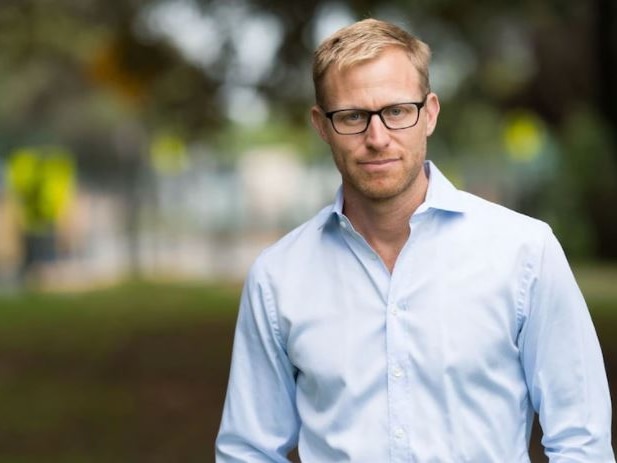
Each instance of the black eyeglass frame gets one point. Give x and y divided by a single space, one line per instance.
418 104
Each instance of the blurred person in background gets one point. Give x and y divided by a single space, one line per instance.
409 320
41 183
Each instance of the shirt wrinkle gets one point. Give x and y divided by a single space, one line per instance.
271 314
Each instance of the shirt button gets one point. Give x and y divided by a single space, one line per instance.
397 372
343 224
399 433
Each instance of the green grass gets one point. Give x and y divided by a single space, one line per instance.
98 320
132 373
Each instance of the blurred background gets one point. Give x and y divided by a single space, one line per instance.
150 149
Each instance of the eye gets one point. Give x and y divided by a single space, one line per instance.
351 117
396 112
354 116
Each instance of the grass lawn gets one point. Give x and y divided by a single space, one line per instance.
137 373
132 374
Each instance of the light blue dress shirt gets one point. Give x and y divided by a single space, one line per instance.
444 360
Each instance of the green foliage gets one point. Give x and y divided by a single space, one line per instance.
237 140
91 76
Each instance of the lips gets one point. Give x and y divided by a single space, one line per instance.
379 161
378 164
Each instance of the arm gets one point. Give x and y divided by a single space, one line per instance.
260 422
563 365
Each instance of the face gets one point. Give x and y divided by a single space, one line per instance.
379 164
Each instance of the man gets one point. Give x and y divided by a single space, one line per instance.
409 321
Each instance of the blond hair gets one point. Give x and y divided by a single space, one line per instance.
363 41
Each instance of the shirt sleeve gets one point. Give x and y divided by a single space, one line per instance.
563 365
260 422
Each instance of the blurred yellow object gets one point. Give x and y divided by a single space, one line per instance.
42 181
524 136
168 154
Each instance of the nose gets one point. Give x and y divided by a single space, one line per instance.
377 134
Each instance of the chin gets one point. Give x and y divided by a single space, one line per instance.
381 193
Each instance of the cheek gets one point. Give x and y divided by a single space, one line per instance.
339 158
416 141
341 152
424 129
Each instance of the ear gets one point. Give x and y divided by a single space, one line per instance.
320 122
432 112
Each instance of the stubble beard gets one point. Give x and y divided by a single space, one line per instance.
382 188
376 191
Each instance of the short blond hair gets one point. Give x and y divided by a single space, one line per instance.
363 41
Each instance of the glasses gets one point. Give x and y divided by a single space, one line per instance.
394 117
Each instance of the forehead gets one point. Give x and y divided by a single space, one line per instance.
389 78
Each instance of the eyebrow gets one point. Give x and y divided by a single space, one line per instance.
359 108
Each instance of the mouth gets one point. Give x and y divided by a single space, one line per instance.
379 161
378 164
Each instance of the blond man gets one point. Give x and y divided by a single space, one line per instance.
408 321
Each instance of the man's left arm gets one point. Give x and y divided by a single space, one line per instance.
563 365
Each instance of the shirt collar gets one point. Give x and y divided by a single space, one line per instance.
441 195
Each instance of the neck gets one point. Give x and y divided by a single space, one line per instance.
384 223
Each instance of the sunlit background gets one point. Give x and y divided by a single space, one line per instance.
150 149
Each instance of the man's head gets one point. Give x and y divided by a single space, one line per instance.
375 110
366 40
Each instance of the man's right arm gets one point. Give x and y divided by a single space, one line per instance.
260 422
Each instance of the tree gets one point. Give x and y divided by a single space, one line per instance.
87 70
